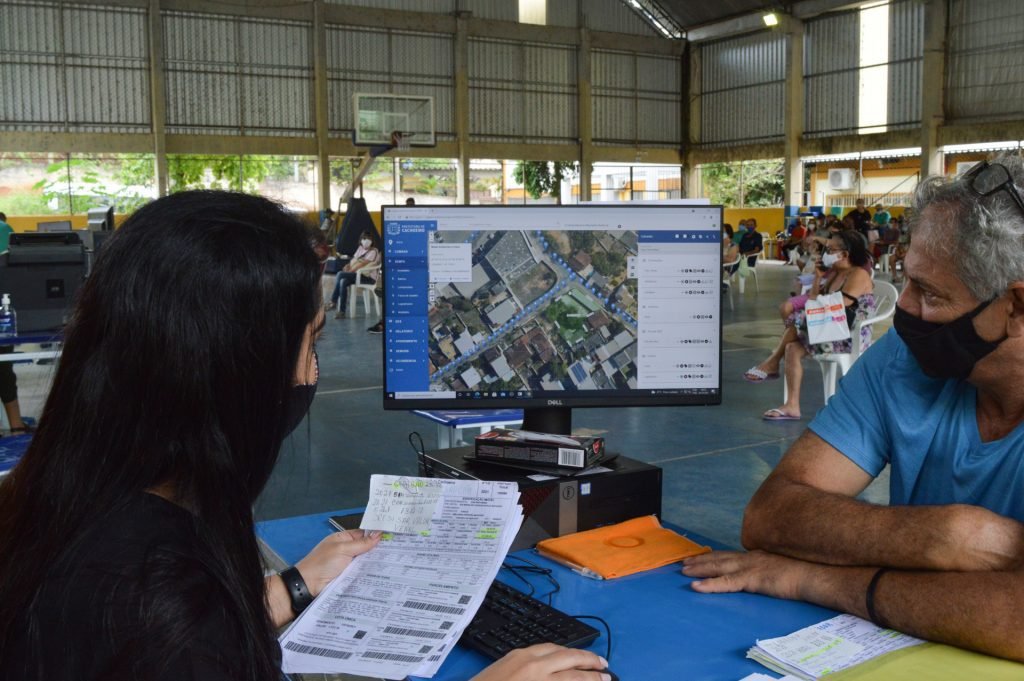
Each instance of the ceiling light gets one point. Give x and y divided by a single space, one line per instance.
771 19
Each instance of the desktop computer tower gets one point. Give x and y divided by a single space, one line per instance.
623 489
42 272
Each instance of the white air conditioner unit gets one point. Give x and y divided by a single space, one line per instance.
963 166
840 178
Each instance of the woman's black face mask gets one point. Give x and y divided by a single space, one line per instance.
947 350
300 398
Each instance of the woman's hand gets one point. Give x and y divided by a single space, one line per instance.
325 562
332 555
546 662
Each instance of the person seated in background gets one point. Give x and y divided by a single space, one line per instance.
5 233
900 253
816 227
881 218
730 249
127 540
795 239
860 217
9 395
751 242
366 256
842 269
888 236
944 560
808 264
741 229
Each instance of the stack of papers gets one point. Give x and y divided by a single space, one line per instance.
829 647
398 610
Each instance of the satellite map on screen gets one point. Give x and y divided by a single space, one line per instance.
542 310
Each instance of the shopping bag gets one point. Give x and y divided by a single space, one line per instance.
744 270
826 318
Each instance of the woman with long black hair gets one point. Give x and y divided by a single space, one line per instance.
127 547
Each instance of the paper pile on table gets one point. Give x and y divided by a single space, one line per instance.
828 647
398 610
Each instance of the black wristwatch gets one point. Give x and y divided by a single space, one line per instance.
298 592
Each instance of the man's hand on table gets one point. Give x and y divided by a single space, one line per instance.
757 572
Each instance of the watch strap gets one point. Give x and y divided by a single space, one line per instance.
298 592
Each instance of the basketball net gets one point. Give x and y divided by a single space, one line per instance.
400 141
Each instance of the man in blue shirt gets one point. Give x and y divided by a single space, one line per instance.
5 233
941 400
751 242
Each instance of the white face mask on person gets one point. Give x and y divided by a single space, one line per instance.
366 243
830 259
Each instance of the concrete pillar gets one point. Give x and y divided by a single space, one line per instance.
157 95
694 86
462 106
585 114
323 160
933 88
793 120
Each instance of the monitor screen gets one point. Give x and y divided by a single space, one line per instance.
54 226
552 307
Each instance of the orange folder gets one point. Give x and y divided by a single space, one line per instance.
618 550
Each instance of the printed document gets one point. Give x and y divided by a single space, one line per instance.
828 647
398 609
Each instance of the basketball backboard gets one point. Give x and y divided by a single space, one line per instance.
381 118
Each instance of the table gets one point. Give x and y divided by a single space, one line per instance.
54 337
661 629
450 423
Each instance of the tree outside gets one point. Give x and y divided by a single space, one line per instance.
544 178
748 184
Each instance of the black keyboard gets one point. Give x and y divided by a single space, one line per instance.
510 619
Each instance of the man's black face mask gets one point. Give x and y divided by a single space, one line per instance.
945 350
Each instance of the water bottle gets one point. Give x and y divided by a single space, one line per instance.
8 318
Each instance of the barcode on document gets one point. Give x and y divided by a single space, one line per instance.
413 632
433 607
322 652
570 457
392 657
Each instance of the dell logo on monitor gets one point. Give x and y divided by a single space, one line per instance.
554 403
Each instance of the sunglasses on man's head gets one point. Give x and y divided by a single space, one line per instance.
987 178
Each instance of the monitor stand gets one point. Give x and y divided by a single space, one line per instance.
554 420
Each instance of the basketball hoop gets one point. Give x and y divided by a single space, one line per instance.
400 141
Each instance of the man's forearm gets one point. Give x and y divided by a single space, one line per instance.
982 611
803 522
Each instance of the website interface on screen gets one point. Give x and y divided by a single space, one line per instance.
536 302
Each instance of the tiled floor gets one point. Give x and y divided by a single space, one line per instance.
713 457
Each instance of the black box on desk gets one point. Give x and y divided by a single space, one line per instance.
540 449
561 505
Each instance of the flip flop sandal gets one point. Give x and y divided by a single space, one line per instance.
778 415
755 375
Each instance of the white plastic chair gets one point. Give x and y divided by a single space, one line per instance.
727 277
832 363
365 285
741 281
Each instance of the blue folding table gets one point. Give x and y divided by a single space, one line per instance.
662 630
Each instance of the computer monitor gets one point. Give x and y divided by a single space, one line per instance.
101 218
54 226
552 307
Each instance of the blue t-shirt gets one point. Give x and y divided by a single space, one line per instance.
887 411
